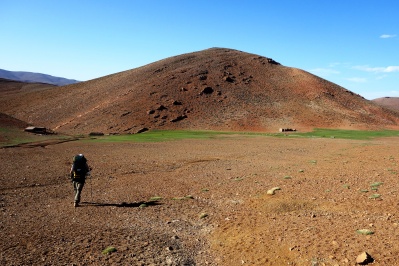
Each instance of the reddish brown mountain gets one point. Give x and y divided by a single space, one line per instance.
390 102
219 89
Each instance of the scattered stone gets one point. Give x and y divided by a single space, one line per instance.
207 90
228 79
150 112
141 130
108 250
96 134
364 259
272 191
365 232
176 103
287 129
161 107
125 114
271 61
203 215
181 117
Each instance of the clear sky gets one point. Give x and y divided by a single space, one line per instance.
353 43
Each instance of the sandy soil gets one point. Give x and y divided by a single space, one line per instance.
214 207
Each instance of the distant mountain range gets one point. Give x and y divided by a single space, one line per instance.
35 77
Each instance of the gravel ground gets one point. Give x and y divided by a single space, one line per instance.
202 202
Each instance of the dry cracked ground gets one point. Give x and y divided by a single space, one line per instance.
203 202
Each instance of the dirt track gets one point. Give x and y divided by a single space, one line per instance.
214 208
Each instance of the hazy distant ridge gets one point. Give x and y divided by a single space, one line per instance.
35 77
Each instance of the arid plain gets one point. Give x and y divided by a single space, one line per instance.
198 201
203 202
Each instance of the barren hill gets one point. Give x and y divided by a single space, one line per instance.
390 102
219 89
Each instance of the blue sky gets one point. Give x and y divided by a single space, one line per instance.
353 43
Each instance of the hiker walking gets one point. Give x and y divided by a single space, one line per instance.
79 170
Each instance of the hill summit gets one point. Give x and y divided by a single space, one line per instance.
213 89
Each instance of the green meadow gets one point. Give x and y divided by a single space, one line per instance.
346 134
12 137
168 135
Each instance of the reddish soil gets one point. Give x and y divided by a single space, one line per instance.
312 220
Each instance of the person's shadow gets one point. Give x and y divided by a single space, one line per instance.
140 204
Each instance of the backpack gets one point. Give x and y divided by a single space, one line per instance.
79 167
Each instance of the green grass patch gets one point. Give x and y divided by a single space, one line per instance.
375 196
374 186
392 171
156 198
170 135
108 250
13 136
161 135
347 134
183 198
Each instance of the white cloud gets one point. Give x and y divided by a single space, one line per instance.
392 69
357 80
387 36
388 69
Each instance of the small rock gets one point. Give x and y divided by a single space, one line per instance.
272 191
161 107
364 259
228 79
177 103
207 90
141 130
181 117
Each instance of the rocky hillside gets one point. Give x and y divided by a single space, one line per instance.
213 89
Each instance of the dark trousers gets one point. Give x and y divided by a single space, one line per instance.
77 187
